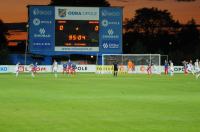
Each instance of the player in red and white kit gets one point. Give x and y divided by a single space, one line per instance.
190 67
149 69
197 68
17 69
171 68
55 68
69 67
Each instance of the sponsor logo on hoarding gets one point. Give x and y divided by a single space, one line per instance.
110 32
41 44
110 35
81 68
105 45
111 45
106 23
21 68
26 69
37 22
37 11
179 69
106 13
3 69
42 34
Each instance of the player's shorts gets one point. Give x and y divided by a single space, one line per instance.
55 69
197 70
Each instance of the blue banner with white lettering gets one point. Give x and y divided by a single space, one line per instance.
4 69
110 30
41 29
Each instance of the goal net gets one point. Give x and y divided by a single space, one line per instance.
139 63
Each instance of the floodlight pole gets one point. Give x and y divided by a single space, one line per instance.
25 56
97 59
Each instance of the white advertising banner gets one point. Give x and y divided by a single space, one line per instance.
108 69
99 69
76 13
46 68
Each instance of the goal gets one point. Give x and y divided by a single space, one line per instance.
140 62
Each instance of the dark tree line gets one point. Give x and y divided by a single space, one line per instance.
154 31
3 44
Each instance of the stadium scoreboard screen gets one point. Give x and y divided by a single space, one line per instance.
61 30
73 33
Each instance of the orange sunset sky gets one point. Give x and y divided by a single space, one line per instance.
16 11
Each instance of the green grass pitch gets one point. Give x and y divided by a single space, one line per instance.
99 103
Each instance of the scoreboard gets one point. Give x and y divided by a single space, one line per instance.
77 33
57 30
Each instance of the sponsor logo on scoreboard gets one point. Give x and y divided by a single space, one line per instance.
62 12
110 35
111 45
105 45
42 34
106 13
42 12
37 22
77 13
106 23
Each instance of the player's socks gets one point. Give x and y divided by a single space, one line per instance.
17 74
32 74
197 76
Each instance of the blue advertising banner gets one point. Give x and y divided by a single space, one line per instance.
41 28
110 35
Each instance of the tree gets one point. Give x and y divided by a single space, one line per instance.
151 21
155 29
3 43
189 40
88 3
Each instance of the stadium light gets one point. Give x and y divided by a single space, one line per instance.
25 56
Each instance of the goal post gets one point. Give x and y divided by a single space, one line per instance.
140 62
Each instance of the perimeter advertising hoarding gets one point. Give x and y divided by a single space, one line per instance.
68 30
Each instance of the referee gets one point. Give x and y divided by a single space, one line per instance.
115 65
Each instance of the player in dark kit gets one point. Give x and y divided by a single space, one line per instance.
64 68
115 65
73 68
166 67
35 68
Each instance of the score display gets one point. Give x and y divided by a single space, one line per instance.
76 33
